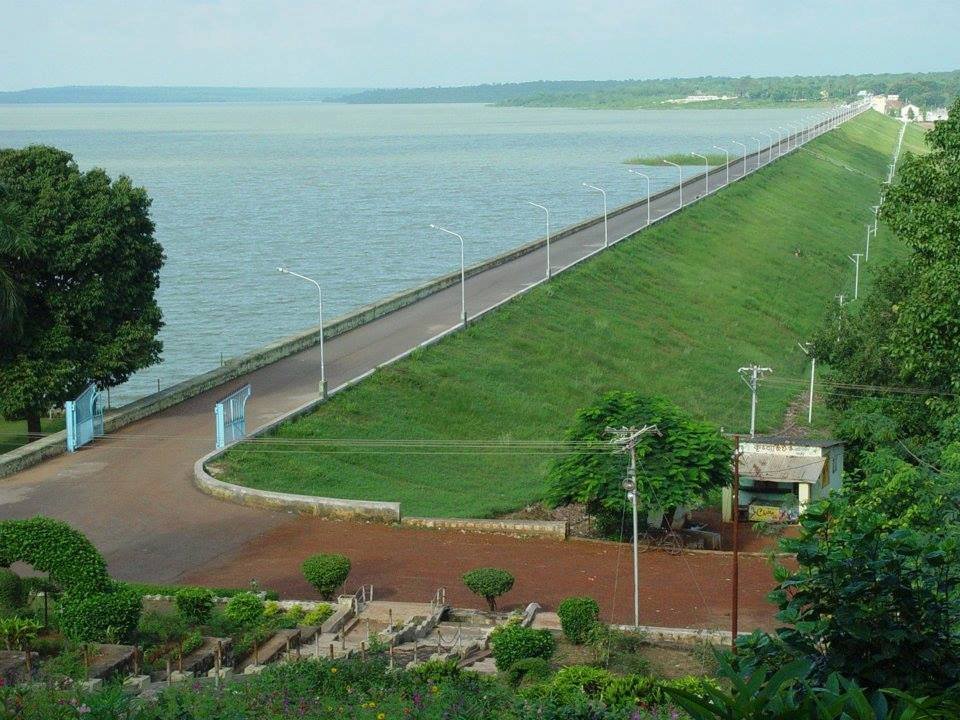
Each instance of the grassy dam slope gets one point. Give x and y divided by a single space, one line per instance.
672 311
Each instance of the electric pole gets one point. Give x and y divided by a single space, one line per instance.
855 259
750 375
735 589
808 351
625 439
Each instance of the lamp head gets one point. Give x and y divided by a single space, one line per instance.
282 270
433 226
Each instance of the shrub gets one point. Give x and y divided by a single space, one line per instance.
319 615
528 670
245 609
511 643
101 617
626 692
12 590
326 573
296 613
437 670
195 604
578 615
576 682
489 583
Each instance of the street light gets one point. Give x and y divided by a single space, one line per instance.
323 370
549 272
769 145
680 170
759 150
706 172
744 158
604 193
786 134
779 140
727 153
647 178
463 273
808 351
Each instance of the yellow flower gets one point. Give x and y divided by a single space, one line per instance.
381 716
434 689
333 670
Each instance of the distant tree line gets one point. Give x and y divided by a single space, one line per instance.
926 90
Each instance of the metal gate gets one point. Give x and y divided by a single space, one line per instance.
84 418
231 418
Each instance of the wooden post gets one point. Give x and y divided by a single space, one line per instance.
180 657
415 646
316 639
331 651
363 651
169 668
136 660
217 664
287 651
735 599
391 654
256 653
390 616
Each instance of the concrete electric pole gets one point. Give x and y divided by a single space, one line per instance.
625 440
751 375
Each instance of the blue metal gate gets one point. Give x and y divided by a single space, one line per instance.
231 418
84 418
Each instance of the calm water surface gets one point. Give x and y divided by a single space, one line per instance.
345 194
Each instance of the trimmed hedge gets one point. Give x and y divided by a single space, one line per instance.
578 615
172 590
92 608
511 643
245 609
488 583
326 573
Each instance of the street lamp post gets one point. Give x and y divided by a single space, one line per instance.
680 171
536 205
727 153
744 159
604 193
706 171
323 369
463 273
647 178
779 140
769 135
808 351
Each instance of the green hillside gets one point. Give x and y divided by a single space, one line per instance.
674 311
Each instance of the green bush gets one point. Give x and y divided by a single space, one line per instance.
528 670
195 604
511 643
577 682
437 670
578 615
319 615
244 609
326 573
100 617
13 591
488 583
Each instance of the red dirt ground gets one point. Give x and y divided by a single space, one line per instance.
692 590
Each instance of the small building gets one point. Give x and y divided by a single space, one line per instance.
936 114
911 112
780 476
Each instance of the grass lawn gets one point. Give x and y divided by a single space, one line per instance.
738 278
13 433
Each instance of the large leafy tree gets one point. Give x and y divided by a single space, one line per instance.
14 248
677 467
84 292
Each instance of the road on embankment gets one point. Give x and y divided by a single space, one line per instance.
132 494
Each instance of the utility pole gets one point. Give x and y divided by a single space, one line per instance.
808 351
735 585
625 439
855 259
866 255
750 375
840 297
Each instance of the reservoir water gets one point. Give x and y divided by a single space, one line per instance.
345 194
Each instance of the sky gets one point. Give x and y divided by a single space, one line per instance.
404 43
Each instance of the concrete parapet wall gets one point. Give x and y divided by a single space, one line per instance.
337 508
556 529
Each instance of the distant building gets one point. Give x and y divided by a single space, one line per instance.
780 476
699 98
935 115
886 104
911 112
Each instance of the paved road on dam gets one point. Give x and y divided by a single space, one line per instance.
132 491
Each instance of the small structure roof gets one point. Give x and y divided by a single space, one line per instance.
781 468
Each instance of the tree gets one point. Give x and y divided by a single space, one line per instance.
87 286
677 467
875 594
14 248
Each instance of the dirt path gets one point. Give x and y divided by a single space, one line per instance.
405 564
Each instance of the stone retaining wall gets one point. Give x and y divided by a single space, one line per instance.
556 529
